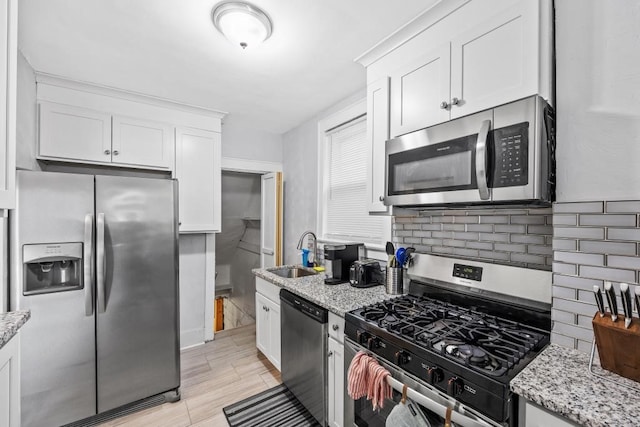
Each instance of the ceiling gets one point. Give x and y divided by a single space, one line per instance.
170 49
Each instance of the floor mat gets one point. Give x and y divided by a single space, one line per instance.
276 407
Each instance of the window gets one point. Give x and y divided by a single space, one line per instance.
343 195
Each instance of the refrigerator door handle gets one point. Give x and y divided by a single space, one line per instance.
88 264
100 264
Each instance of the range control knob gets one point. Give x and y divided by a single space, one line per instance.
434 375
362 337
401 358
373 343
455 386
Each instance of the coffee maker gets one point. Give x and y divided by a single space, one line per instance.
338 260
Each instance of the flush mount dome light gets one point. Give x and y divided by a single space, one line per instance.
242 23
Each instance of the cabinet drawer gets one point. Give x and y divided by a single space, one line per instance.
269 290
336 327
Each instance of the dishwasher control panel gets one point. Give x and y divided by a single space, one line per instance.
310 309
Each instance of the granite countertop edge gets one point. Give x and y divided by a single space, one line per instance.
339 299
10 323
559 380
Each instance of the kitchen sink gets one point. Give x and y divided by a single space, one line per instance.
292 273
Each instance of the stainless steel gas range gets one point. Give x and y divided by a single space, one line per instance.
463 331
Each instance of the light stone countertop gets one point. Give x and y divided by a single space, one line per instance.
559 380
10 323
338 299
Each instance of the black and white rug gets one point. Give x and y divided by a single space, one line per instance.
276 407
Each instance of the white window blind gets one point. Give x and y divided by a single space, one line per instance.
346 214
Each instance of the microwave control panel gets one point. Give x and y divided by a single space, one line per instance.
511 156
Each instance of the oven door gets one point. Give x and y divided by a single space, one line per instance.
433 403
443 164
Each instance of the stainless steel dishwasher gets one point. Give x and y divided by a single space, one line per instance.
304 352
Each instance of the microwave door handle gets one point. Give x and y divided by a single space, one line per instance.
481 159
88 264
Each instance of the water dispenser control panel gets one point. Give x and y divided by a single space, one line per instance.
52 267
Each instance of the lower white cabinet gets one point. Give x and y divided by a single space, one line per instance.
268 320
198 160
336 371
10 383
532 415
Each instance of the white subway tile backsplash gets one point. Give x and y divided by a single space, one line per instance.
579 258
632 234
623 207
579 207
563 340
613 274
606 248
608 220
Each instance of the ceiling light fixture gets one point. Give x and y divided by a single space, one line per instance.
242 23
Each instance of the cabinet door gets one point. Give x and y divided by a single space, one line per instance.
336 383
418 91
10 383
262 324
74 133
377 135
535 416
496 61
274 334
198 155
8 87
139 142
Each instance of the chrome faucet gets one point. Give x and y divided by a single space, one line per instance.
315 245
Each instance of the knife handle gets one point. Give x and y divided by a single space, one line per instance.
599 301
610 292
637 298
625 293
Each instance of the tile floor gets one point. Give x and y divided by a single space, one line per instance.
213 375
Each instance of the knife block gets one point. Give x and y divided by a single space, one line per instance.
618 347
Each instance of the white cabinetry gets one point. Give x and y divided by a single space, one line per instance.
198 159
10 383
377 134
418 90
532 415
501 57
336 371
8 86
268 320
78 134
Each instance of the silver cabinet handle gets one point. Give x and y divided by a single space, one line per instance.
444 105
88 264
267 309
116 152
107 152
481 160
100 264
381 198
330 354
455 101
335 327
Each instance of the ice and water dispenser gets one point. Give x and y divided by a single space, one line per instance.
52 267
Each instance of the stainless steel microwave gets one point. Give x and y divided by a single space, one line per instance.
505 155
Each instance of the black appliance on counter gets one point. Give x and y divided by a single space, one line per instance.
338 260
365 274
457 342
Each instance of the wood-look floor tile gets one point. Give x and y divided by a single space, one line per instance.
213 375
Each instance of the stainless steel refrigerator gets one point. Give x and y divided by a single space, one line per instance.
95 259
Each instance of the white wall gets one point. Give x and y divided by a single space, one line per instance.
241 140
300 172
192 289
598 99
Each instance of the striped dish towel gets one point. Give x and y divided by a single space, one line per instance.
367 378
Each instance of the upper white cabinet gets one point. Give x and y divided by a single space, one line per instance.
497 61
461 57
377 134
142 142
198 160
420 92
8 86
74 133
79 134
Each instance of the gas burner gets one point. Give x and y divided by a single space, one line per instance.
474 356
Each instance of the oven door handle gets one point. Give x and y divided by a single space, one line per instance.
481 159
458 418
